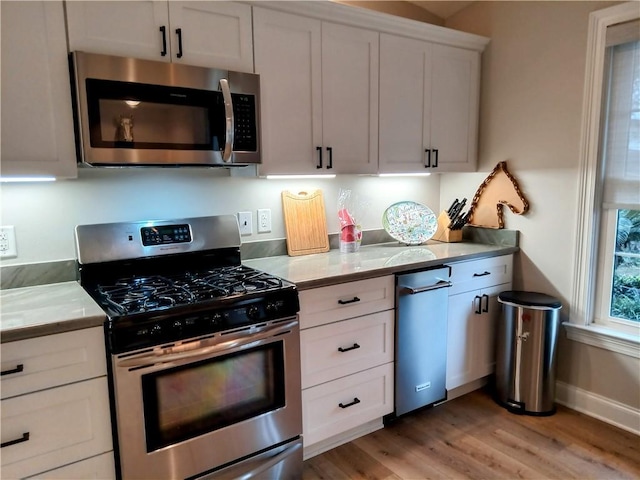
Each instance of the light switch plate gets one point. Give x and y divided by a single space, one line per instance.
8 247
245 223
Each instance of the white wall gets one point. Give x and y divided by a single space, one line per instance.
531 111
45 214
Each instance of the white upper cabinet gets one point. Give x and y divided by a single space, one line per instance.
319 90
37 122
429 100
209 34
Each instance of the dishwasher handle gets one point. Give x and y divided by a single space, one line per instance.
427 288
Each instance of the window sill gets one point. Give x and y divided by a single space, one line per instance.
604 338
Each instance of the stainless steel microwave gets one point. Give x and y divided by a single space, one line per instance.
131 112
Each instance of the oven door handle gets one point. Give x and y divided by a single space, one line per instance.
243 339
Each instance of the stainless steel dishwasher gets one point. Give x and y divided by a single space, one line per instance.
421 338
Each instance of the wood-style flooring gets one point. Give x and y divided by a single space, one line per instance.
473 437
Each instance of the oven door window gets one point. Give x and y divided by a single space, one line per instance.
194 399
142 116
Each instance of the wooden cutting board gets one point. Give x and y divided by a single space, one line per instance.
305 222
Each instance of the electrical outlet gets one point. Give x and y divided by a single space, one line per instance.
245 223
264 220
8 242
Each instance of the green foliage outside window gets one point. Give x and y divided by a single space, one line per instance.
625 294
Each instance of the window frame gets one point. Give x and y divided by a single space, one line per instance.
583 303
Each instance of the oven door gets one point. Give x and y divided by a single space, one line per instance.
189 408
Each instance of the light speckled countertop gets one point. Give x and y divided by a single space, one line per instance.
310 271
60 307
46 309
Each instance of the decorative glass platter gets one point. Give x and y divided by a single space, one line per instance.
410 223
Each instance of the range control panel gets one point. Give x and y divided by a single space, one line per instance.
165 234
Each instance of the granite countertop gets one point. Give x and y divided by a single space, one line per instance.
46 309
34 311
321 269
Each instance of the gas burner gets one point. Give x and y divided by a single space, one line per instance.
132 295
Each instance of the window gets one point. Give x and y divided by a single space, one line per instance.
605 308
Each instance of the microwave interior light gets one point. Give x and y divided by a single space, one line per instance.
26 179
132 103
292 177
404 174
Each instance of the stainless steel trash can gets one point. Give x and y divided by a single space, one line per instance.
526 341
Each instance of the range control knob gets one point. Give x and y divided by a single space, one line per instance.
156 329
216 319
177 325
272 307
253 312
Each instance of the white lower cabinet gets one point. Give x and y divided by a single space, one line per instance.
340 405
347 351
99 467
473 314
55 407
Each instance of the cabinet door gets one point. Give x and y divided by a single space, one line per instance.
212 34
126 29
350 98
405 104
471 334
455 81
288 59
485 353
460 337
37 122
58 426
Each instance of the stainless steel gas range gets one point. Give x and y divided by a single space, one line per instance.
203 352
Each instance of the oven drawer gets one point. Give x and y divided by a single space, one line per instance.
323 305
339 349
364 396
55 427
52 360
474 274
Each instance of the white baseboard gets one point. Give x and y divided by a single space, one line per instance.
597 406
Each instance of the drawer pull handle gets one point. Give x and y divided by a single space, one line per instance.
24 438
346 302
356 400
19 368
355 345
483 274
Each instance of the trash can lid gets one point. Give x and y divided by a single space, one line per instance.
529 299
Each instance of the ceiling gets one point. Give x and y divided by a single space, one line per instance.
443 9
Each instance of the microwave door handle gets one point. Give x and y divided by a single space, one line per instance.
229 121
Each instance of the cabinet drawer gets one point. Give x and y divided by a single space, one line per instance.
323 305
321 412
52 360
64 425
475 274
98 467
365 342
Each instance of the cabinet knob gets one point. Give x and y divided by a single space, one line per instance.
163 30
24 438
330 162
354 347
179 34
356 400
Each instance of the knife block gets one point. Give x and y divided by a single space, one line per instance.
444 233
